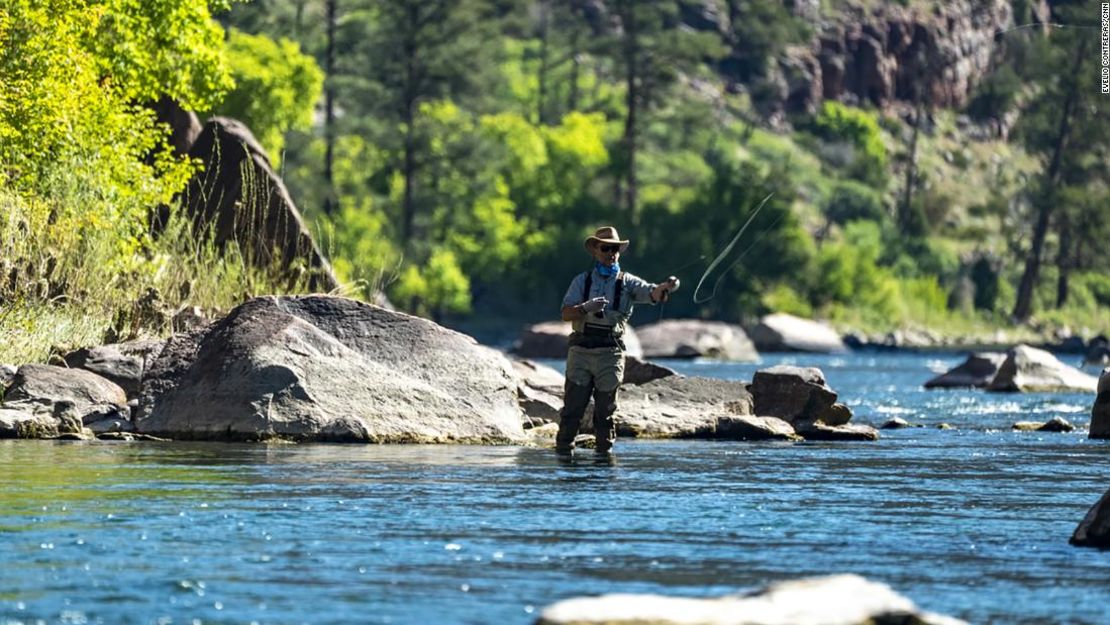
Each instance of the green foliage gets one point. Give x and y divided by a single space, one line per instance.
762 29
276 87
853 201
859 130
437 288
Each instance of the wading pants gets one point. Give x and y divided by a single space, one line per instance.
596 372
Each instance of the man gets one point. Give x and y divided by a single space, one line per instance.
598 304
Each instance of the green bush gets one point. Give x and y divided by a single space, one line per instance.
839 123
853 201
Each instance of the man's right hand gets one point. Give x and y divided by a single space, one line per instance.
594 305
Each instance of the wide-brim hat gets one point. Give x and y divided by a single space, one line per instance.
605 234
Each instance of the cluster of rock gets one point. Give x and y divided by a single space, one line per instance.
1022 369
832 600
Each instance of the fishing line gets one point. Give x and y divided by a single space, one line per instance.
724 253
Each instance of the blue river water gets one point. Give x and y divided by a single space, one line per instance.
972 521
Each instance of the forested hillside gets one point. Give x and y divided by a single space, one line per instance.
930 164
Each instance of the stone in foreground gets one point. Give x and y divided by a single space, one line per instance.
1031 370
1094 529
780 332
975 372
320 368
1100 411
833 600
694 338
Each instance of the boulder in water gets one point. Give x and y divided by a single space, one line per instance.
549 340
793 394
781 332
1055 424
679 407
638 371
1100 411
321 368
693 338
832 600
1029 370
976 372
1094 529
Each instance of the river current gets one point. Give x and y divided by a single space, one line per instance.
972 521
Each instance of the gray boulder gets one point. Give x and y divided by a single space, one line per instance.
833 600
694 338
18 423
1029 370
540 392
781 332
638 371
122 363
793 394
549 340
976 372
1100 411
1055 424
321 368
47 389
1094 529
694 407
7 374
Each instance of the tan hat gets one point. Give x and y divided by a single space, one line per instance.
605 234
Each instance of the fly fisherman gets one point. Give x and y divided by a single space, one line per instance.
598 304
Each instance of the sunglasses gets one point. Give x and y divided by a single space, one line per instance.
609 248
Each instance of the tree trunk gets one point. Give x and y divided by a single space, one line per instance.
904 212
632 100
1023 307
541 96
408 169
1063 265
329 107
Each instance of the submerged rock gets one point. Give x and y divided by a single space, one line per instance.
832 600
1094 529
1100 411
1028 369
897 423
1055 424
780 332
976 372
693 338
321 368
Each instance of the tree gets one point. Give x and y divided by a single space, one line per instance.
1067 125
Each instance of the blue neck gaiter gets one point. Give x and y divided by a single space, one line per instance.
606 271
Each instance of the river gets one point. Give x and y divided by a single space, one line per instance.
972 522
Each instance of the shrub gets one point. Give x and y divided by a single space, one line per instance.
839 123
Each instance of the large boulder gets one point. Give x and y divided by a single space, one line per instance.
1030 370
976 372
781 332
321 368
832 600
694 338
238 197
694 407
549 340
1100 411
1094 529
122 363
58 391
800 396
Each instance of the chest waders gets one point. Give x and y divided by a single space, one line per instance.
592 373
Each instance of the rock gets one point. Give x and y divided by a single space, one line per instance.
796 395
549 340
188 319
122 363
237 194
1028 369
1055 424
752 428
48 389
322 368
679 407
820 432
1097 351
832 600
694 338
1100 411
896 423
1026 426
944 426
105 426
540 392
836 414
184 125
638 371
975 372
1094 529
781 332
7 374
16 423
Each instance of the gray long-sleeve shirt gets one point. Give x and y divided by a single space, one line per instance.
636 291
